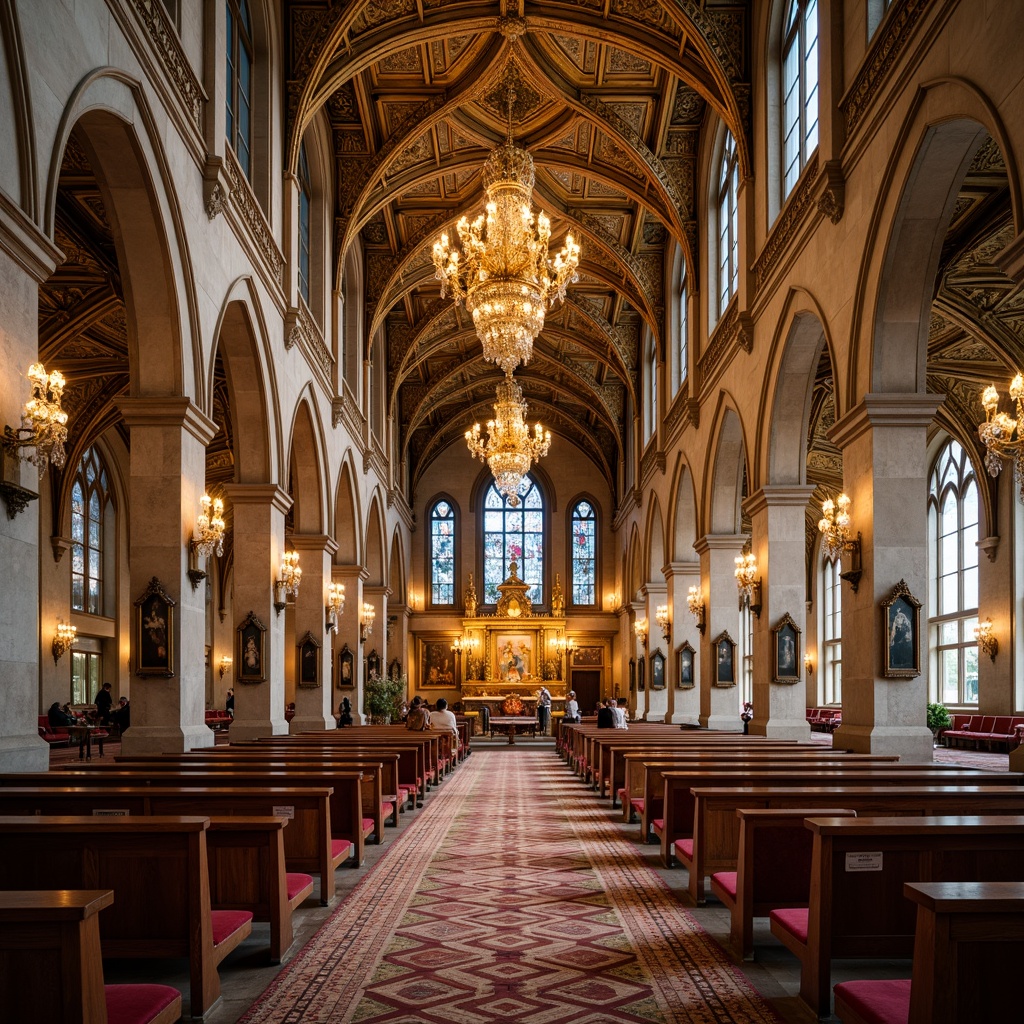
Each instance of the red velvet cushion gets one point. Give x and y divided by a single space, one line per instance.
227 922
620 792
658 824
726 881
387 808
137 1004
794 921
637 803
367 824
295 882
877 1002
340 847
684 848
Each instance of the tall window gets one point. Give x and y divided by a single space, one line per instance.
953 526
238 101
799 89
86 676
746 647
584 554
305 199
89 500
832 631
442 554
683 347
652 390
514 535
728 223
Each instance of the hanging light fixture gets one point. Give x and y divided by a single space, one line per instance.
509 449
43 423
998 429
503 274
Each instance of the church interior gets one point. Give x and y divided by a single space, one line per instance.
661 351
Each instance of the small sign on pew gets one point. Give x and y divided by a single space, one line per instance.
110 812
284 812
864 861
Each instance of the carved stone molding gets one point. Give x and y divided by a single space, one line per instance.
789 223
301 329
243 203
216 187
734 330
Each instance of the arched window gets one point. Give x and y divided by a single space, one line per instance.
584 554
832 631
238 99
683 346
728 222
953 527
305 203
442 553
514 535
651 389
799 89
89 501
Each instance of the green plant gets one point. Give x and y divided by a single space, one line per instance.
938 717
382 697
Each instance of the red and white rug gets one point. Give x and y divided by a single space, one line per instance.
511 898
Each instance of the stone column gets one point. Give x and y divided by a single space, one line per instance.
168 474
657 700
313 710
885 469
719 705
378 640
778 539
996 599
638 652
348 636
684 704
257 521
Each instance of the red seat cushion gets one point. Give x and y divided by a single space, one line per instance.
684 848
658 824
794 921
137 1004
340 847
295 882
227 922
387 808
877 1002
367 825
726 880
637 803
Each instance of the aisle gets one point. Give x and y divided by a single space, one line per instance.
513 897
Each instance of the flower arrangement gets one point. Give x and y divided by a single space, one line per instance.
748 711
512 706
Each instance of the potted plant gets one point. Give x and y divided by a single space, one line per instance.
746 715
938 720
381 699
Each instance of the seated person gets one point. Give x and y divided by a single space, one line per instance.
58 716
620 709
442 720
121 715
605 715
418 718
344 713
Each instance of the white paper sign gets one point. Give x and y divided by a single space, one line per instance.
284 812
109 812
864 861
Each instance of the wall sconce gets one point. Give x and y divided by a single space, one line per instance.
366 622
661 615
987 642
640 628
563 645
808 664
287 584
695 602
63 639
225 664
836 540
998 429
748 582
43 423
335 605
208 537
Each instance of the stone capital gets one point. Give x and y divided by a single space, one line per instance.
788 496
912 410
720 542
314 543
168 411
346 573
684 569
258 494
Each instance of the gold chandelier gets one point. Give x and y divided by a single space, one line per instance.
998 429
43 423
509 449
504 275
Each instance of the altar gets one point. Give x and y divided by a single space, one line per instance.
512 724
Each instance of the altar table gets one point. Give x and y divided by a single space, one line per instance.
512 724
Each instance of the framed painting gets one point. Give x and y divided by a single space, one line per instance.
514 657
658 670
437 664
901 616
395 669
346 668
632 674
786 650
641 671
373 665
725 659
684 657
250 651
582 656
154 632
307 671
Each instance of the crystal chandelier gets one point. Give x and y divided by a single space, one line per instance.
209 535
834 525
43 423
504 275
998 429
509 449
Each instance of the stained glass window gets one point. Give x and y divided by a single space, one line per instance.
514 535
238 67
88 503
442 554
584 554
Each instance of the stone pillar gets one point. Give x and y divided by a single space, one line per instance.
168 473
638 652
348 636
885 469
719 705
778 539
996 599
378 640
257 520
657 700
684 703
398 645
313 711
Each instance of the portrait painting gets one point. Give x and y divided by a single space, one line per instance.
583 656
308 668
641 671
786 646
657 671
395 669
901 613
725 657
685 680
250 654
437 665
346 668
513 656
154 633
373 665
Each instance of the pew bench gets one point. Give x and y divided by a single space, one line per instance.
858 870
51 966
968 946
158 870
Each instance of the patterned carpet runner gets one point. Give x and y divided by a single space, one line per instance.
512 897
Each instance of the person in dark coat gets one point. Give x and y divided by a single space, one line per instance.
104 701
344 713
57 716
605 716
121 716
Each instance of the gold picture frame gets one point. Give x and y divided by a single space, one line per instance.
901 637
154 632
725 659
250 651
786 658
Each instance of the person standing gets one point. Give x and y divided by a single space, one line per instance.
229 704
572 708
344 713
104 701
543 710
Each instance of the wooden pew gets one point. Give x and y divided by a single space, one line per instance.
51 967
858 869
157 867
968 947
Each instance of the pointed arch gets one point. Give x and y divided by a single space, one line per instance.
374 545
348 516
307 471
634 568
682 515
654 542
725 472
397 570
